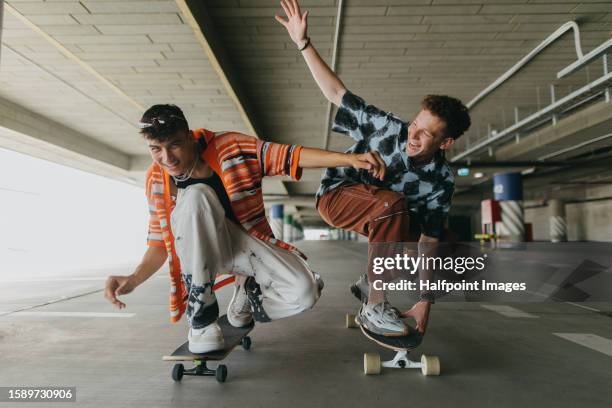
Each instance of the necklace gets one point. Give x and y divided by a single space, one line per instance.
187 176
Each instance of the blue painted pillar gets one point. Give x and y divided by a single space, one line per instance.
508 190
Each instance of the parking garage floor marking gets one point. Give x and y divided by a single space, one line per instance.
592 341
70 314
65 279
509 311
592 309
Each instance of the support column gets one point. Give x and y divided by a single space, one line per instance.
288 228
508 190
276 220
558 224
334 234
296 230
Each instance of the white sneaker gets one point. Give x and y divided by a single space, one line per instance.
208 338
239 312
382 319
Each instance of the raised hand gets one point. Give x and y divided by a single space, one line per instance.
296 22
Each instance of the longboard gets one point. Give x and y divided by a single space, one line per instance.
402 345
396 343
232 336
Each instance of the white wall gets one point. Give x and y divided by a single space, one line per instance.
586 221
55 219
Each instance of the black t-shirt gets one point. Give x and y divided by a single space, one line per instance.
215 182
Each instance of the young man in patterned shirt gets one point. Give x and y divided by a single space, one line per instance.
414 198
207 218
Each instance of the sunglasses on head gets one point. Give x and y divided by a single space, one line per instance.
159 120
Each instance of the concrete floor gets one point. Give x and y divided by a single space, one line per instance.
311 360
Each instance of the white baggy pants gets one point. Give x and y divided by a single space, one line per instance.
208 244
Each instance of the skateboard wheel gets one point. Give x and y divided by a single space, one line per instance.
177 372
246 342
221 373
430 365
350 321
371 363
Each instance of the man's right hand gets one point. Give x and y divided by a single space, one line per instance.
296 23
116 286
371 162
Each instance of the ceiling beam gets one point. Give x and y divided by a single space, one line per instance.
77 60
203 26
1 20
27 132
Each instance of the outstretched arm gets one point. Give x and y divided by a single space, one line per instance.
276 159
297 25
317 158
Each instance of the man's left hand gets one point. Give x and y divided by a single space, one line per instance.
420 313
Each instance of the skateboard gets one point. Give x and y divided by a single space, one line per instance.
402 345
232 337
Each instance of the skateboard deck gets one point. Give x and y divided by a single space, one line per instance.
397 343
232 337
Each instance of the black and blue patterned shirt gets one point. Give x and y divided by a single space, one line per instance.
428 188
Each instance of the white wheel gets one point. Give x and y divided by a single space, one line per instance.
350 321
430 365
371 363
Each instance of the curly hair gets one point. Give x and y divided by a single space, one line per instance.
160 122
451 110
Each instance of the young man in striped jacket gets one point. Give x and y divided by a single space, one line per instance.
207 218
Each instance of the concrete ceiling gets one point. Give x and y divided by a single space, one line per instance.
75 76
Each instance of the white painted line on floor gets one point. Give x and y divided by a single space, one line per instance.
509 311
552 288
39 280
70 314
65 279
592 341
592 309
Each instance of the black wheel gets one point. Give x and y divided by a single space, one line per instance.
402 364
246 343
221 373
177 372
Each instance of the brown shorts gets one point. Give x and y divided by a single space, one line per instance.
379 214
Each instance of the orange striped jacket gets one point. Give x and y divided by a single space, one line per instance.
240 161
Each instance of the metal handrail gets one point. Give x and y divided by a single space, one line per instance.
570 25
550 109
594 54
